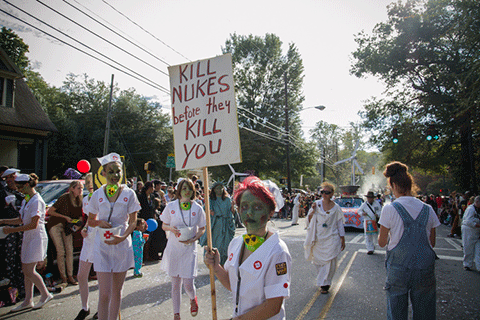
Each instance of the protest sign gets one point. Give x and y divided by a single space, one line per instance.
204 113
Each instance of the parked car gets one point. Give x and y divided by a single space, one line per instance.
350 205
51 190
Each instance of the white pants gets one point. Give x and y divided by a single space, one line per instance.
369 241
326 272
471 247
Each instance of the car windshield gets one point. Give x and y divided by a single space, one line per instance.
51 191
349 202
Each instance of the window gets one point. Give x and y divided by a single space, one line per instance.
6 92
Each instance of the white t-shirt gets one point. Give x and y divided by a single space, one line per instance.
391 219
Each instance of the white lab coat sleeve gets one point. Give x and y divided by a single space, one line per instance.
166 216
133 204
278 276
469 219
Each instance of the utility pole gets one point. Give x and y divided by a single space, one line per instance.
107 127
289 183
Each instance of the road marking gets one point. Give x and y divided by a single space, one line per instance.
356 239
329 303
454 244
439 255
309 305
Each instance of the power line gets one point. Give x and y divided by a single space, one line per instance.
99 36
101 54
88 54
148 32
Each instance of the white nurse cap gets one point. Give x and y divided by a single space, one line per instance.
22 177
111 157
9 171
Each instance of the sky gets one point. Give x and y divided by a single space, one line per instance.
187 30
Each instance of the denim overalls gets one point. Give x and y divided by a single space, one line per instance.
411 270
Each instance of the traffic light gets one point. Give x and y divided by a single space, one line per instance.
149 166
394 135
432 133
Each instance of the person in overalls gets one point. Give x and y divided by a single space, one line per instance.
410 259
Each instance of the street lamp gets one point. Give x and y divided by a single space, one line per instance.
321 107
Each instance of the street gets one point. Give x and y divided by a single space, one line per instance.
356 293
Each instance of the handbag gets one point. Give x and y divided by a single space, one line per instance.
74 226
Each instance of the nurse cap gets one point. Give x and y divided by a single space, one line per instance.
22 177
9 171
111 157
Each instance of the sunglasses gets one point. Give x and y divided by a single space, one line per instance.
326 192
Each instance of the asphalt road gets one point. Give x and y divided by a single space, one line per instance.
357 290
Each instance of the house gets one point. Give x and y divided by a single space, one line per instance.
24 126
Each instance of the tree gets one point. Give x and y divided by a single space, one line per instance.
427 55
262 75
14 47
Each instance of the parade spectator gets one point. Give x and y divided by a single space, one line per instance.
223 228
325 236
370 210
180 257
157 240
258 270
471 236
138 241
66 209
35 240
170 196
3 183
12 244
456 212
86 255
408 230
112 205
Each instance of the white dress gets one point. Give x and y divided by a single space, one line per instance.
34 245
89 241
180 260
265 274
113 258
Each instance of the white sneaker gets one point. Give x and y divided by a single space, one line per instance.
22 306
42 303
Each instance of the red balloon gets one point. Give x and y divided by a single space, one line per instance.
83 166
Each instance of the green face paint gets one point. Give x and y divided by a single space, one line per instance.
113 173
218 190
186 191
254 213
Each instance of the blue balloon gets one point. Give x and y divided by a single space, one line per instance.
152 225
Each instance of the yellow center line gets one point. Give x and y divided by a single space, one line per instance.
329 303
309 305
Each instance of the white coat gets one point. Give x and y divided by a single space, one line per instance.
180 260
471 238
113 258
323 242
265 274
377 208
34 245
89 241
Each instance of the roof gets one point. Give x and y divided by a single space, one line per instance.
27 113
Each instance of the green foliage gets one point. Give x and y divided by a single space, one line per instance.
14 47
427 55
261 71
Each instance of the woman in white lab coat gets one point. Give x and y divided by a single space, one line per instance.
180 257
260 257
112 205
35 240
325 236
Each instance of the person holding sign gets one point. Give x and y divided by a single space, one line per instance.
185 219
113 210
370 210
325 236
257 270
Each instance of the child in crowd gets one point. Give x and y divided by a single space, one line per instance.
138 241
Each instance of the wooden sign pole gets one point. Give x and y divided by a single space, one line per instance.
209 241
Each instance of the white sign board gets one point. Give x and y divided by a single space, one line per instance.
205 121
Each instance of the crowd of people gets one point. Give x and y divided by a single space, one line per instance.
255 267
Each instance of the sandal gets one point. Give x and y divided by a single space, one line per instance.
194 307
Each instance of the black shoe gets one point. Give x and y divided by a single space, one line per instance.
95 316
467 268
370 252
82 314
